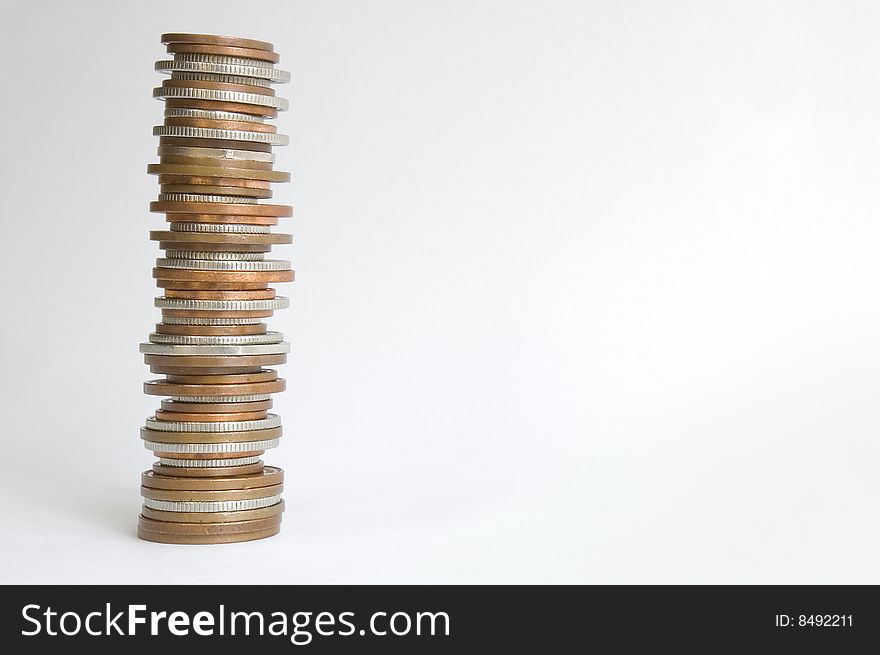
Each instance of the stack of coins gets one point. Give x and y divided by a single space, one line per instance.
212 346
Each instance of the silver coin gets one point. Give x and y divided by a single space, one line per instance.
223 59
224 78
208 463
191 304
220 228
211 505
215 351
269 74
271 421
211 114
211 320
240 97
216 256
216 340
208 265
250 398
230 154
198 197
225 135
210 448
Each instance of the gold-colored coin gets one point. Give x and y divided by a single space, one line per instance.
226 144
225 208
201 529
164 538
211 330
268 476
273 238
214 517
212 169
244 436
215 39
250 453
189 495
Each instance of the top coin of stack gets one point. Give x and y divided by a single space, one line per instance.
215 170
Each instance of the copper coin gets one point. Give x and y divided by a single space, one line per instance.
168 207
221 182
244 436
207 471
182 284
236 165
219 86
236 107
217 313
216 169
168 236
252 453
216 408
214 517
216 39
211 330
259 294
225 144
231 277
235 378
203 370
222 220
180 539
191 495
179 528
216 124
165 388
224 51
236 191
266 477
209 418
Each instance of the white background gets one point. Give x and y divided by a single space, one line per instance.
586 292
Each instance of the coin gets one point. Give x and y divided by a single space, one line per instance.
171 236
196 142
162 538
214 517
221 134
228 51
225 173
260 376
196 417
207 471
259 294
244 192
218 408
230 278
165 388
244 67
232 156
166 437
266 477
207 497
278 211
248 125
194 459
162 328
227 449
203 370
218 105
216 340
214 39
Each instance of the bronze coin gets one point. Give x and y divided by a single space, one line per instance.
216 39
230 277
219 86
223 51
211 330
251 453
169 207
243 436
207 471
214 170
216 313
182 284
216 408
209 418
180 539
236 107
178 528
213 176
204 370
168 236
234 378
266 477
214 495
224 144
231 167
219 124
165 388
259 294
222 220
214 517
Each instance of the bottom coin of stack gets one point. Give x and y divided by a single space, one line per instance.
221 507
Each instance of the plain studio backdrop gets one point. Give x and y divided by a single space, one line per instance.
586 291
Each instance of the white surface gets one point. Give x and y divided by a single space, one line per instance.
586 292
